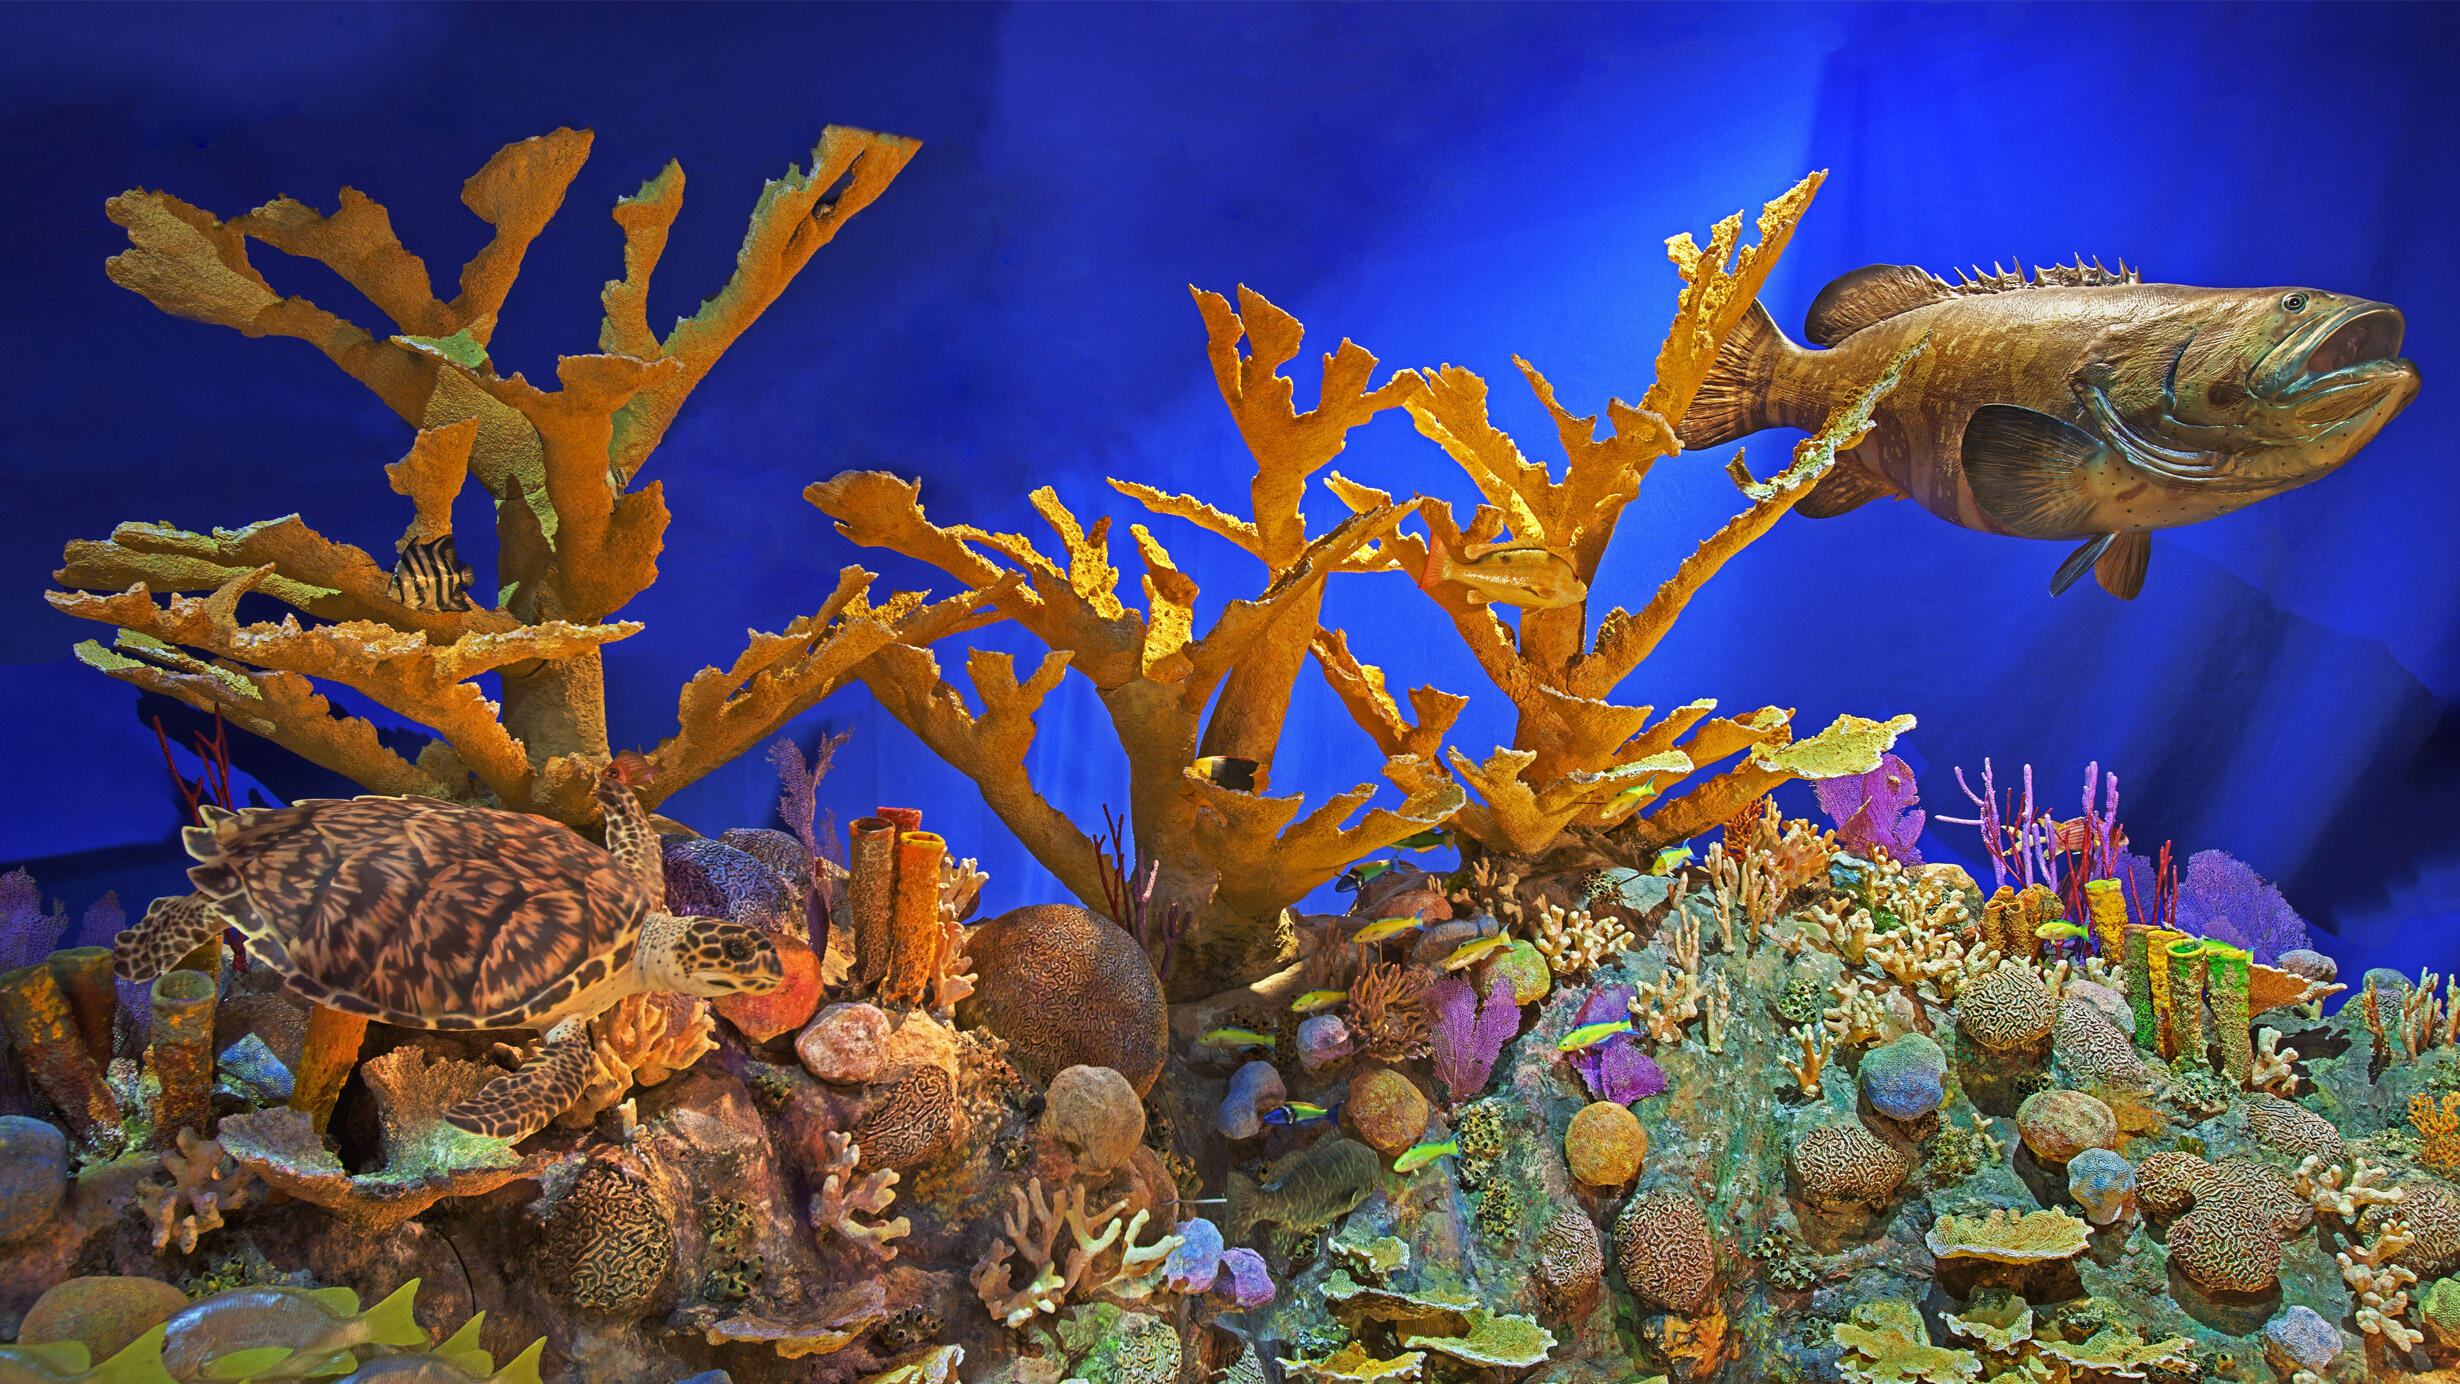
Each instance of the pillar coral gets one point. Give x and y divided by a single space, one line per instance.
1235 858
577 536
1585 779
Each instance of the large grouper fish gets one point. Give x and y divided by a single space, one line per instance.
2079 403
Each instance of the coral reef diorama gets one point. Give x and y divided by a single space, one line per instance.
1599 1067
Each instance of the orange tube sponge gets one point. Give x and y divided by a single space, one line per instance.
325 1059
871 888
181 1052
916 918
2109 909
84 977
44 1031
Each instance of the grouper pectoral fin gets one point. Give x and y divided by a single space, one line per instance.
2120 570
1849 486
2028 469
2079 562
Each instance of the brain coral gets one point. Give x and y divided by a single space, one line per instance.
2008 1008
2058 1124
1905 1078
2094 1048
1094 1111
1604 1145
1570 1262
1068 989
2291 1127
2271 1189
609 1242
2165 1183
1662 1246
1843 1165
910 1121
2227 1243
2433 1213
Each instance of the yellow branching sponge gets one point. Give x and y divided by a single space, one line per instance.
2438 1131
576 537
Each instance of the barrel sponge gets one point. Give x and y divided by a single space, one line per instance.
2227 1243
2008 1008
2292 1128
1068 989
1842 1164
2166 1183
1096 1113
2433 1213
2094 1048
1604 1145
1570 1262
609 1242
910 1121
1662 1246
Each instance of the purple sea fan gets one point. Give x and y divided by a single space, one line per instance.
1469 1035
2223 898
1615 1070
1876 810
27 934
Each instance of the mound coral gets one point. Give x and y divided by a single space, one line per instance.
1096 1113
1662 1246
914 1119
1065 989
1604 1145
2165 1183
577 536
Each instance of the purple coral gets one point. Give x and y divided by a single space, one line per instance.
1469 1035
1244 1281
798 802
1876 810
1616 1069
27 934
2223 898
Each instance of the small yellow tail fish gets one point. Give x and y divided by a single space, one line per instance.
1418 1156
1472 952
1384 929
1317 1001
1235 1038
1590 1035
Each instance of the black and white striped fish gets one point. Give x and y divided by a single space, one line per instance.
431 576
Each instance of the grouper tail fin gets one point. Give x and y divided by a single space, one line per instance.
1239 1212
1737 397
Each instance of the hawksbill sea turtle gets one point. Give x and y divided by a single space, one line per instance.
438 915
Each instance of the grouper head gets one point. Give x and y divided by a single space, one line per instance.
2275 387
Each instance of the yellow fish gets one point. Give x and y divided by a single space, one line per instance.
1669 860
1235 1038
1529 575
1383 929
1238 775
1470 953
2058 929
1420 1155
1315 1001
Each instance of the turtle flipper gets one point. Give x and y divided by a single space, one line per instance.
170 929
519 1104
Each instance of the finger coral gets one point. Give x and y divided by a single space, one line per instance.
578 535
1031 1230
198 1182
842 1196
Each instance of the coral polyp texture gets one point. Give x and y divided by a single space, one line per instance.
1596 1067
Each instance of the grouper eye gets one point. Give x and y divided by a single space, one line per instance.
2295 302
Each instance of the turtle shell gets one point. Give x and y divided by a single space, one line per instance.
420 912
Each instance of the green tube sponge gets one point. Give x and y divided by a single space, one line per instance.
2226 983
2187 965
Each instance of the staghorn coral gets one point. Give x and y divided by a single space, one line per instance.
577 537
2380 1285
1859 1015
1663 1248
841 1197
1234 858
1031 1229
202 1182
1575 942
1585 776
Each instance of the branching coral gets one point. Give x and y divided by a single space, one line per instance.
1859 1015
842 1196
203 1182
1583 775
641 1041
2438 1130
1575 942
2343 1191
1816 1046
1031 1228
1235 857
2381 1286
576 537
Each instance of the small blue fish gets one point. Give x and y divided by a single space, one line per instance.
1298 1112
1355 878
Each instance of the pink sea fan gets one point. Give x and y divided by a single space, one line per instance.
1469 1035
1876 810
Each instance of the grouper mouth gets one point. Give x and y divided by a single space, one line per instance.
2341 367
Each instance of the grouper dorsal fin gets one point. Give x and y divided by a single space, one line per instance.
1873 293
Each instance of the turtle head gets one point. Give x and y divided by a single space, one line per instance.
711 956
